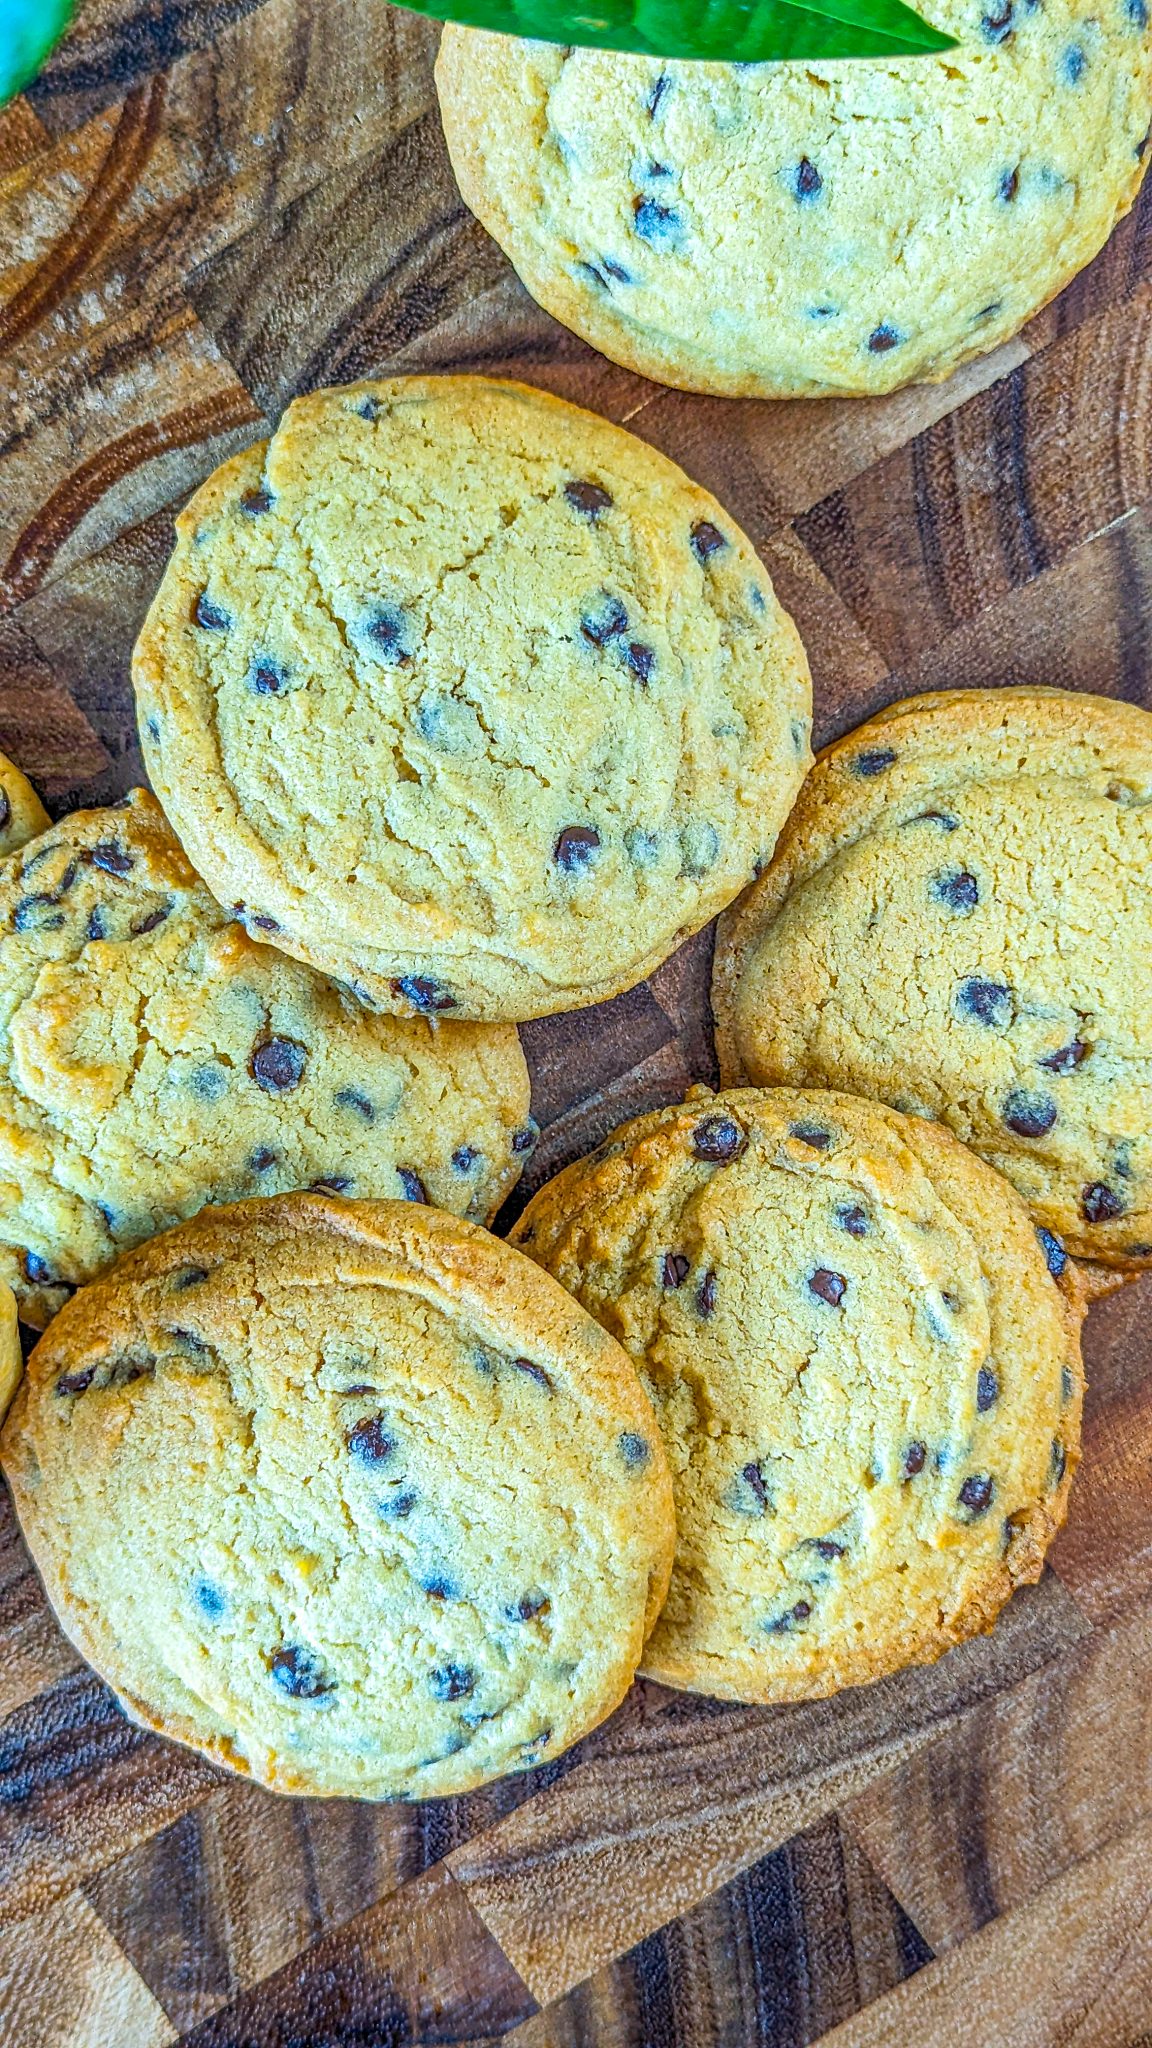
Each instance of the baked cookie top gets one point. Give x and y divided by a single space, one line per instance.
474 694
866 1378
348 1496
779 230
154 1057
22 814
957 922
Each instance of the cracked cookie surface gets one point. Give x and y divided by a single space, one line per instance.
956 922
476 696
867 1379
780 230
401 1505
154 1057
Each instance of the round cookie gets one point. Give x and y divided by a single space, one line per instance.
347 1496
22 814
474 694
956 922
867 1381
154 1057
800 229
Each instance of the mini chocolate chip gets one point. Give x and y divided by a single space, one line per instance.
997 23
112 858
368 409
641 659
1067 1059
989 1002
413 1186
1139 1251
634 1449
263 922
1054 1252
150 921
152 728
616 270
784 1622
675 1269
209 615
587 498
189 1276
828 1286
266 677
190 1339
208 1082
1137 12
209 1598
262 1159
663 84
1067 1384
369 1440
331 1184
852 1218
1058 1462
441 1587
386 630
814 1135
523 1140
873 761
660 225
1073 64
37 1270
976 1493
452 1682
298 1673
397 1507
1099 1203
277 1065
254 502
883 338
534 1372
950 1300
706 540
946 820
706 1294
718 1140
71 1383
423 993
37 914
915 1458
96 927
1029 1113
606 624
464 1158
825 1548
1009 185
353 1099
959 890
987 1388
806 180
529 1606
753 1477
5 810
574 847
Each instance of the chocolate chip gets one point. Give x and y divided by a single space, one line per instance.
189 1276
825 1548
150 921
523 1140
606 624
423 993
72 1383
5 810
852 1218
369 1440
452 1682
706 1294
1137 12
464 1158
209 615
675 1269
946 820
1100 1203
37 914
641 659
96 927
634 1449
529 1606
987 1388
997 23
152 728
718 1140
298 1673
413 1186
386 631
209 1598
1067 1059
441 1587
1067 1384
574 847
266 677
1057 1463
277 1065
794 1616
753 1477
706 540
534 1372
814 1135
616 270
1073 64
262 1159
112 858
1009 185
353 1099
587 498
263 922
660 225
37 1270
663 84
976 1493
915 1458
873 761
989 1002
369 410
806 180
397 1507
256 501
883 338
828 1286
190 1339
958 889
1029 1113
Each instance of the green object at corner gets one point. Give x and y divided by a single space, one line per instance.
726 31
29 29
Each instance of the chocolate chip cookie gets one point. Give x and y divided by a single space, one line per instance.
473 699
22 814
956 922
793 229
154 1056
347 1496
867 1379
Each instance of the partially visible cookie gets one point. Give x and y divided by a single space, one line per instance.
347 1496
11 1355
867 1380
22 814
957 922
475 696
154 1057
800 229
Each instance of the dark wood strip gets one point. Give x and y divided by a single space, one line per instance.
113 47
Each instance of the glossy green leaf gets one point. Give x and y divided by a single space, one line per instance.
29 29
729 31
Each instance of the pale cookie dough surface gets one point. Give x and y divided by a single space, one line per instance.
867 1380
475 694
153 1058
348 1496
957 922
793 229
22 814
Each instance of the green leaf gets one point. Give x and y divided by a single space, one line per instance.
28 30
728 31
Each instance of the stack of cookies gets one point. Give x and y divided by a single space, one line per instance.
463 707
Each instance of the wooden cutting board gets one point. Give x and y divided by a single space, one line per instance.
205 207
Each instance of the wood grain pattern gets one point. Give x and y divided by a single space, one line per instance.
205 207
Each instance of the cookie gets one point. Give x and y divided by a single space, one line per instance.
347 1496
22 814
11 1356
867 1380
154 1057
799 229
473 695
956 922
